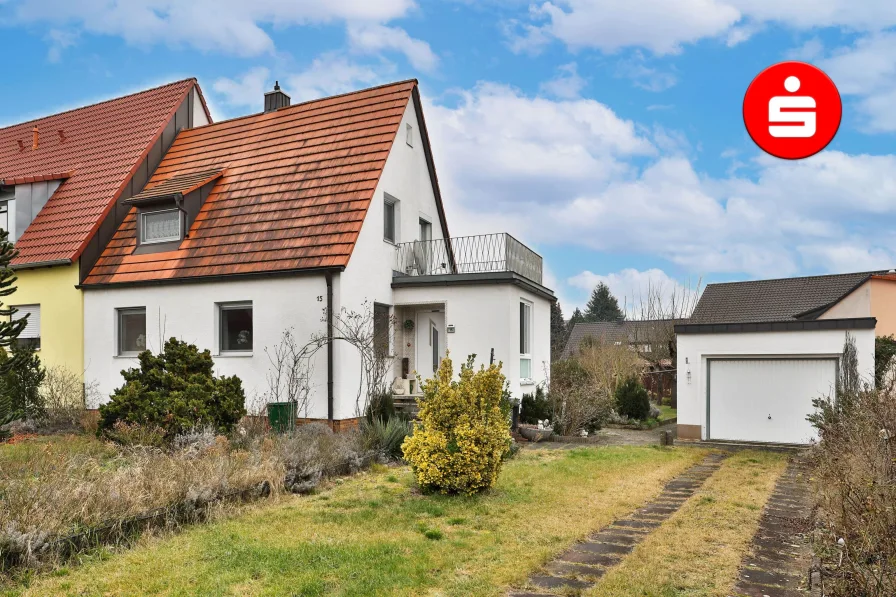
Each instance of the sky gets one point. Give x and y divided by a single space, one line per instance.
605 134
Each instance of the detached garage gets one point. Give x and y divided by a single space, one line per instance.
755 355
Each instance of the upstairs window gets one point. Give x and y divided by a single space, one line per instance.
390 219
236 327
30 336
409 135
160 226
131 331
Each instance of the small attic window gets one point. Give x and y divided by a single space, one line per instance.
160 226
409 135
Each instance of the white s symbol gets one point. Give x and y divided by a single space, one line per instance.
799 124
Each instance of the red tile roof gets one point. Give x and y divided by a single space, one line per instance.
96 149
296 188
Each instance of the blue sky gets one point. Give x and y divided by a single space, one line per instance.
607 134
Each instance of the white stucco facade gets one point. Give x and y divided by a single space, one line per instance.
191 312
487 316
696 350
484 316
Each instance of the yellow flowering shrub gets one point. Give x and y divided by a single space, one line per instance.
462 434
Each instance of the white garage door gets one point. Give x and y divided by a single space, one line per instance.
766 400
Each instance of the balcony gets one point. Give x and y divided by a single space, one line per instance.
486 253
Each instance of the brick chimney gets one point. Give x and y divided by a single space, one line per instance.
275 99
34 135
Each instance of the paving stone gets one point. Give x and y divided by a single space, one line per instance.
771 578
779 558
532 595
567 569
603 548
637 524
558 582
751 590
617 538
593 559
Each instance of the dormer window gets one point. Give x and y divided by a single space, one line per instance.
160 226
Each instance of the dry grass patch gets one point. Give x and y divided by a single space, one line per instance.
697 552
375 534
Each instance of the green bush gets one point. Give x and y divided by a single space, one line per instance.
177 392
632 400
385 436
20 396
884 351
462 436
535 407
577 402
381 406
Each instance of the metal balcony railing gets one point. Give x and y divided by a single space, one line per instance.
468 254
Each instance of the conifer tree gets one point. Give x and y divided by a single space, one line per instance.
603 306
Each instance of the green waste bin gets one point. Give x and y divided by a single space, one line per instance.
281 415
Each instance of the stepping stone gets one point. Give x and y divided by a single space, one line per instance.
637 524
771 579
750 590
592 559
532 595
557 582
603 548
565 569
617 538
606 547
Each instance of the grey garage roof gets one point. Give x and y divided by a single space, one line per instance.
859 323
786 299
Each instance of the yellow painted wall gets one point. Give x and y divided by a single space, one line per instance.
855 304
61 313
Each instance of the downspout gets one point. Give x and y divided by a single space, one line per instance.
329 277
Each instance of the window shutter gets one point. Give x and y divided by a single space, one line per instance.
32 328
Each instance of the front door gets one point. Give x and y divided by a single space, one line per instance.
430 342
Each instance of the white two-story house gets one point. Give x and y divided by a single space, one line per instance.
264 223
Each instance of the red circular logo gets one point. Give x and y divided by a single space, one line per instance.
792 110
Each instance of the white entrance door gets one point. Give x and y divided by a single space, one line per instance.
767 400
430 342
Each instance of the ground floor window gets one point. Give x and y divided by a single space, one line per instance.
30 336
236 327
131 331
382 326
525 340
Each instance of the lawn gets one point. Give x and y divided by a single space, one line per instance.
375 534
667 413
697 552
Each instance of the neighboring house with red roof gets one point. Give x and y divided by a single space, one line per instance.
265 223
62 178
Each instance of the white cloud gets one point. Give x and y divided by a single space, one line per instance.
229 26
59 40
665 26
661 26
247 90
867 69
332 74
571 172
632 287
373 38
567 84
643 76
328 74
